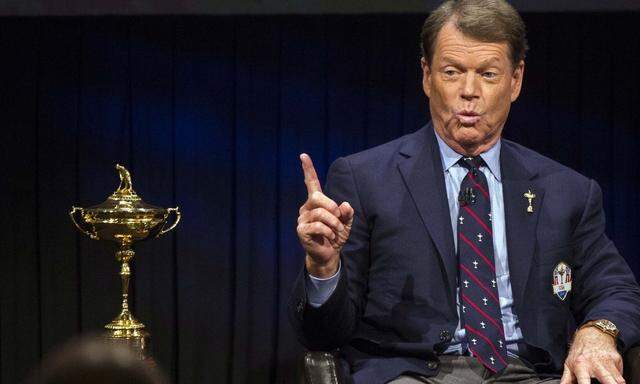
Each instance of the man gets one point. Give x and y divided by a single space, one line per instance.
451 255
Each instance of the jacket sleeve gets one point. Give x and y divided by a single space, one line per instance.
332 324
604 285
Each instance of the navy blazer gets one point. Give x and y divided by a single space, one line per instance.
394 308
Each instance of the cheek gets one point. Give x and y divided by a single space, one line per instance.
443 98
499 104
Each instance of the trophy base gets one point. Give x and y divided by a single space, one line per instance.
138 341
126 330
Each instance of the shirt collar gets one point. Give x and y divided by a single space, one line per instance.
450 157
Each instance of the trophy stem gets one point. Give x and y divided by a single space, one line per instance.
124 255
125 325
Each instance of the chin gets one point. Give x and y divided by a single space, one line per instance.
468 135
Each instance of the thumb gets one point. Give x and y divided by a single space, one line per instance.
567 376
346 213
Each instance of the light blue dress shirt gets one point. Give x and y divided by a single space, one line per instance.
319 290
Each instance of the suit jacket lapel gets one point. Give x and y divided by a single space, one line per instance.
421 169
520 225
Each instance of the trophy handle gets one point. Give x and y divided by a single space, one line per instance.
169 210
73 213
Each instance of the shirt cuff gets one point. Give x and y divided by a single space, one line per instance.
319 290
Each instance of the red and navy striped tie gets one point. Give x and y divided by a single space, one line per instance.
480 304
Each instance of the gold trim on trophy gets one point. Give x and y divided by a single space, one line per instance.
125 218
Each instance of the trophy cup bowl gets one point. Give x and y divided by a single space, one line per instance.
124 218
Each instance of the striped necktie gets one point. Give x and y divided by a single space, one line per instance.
480 314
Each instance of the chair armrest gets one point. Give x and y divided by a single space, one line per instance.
320 368
632 365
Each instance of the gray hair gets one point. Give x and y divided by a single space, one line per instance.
491 21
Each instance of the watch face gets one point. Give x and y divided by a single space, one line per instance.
607 326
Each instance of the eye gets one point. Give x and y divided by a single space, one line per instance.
450 72
489 75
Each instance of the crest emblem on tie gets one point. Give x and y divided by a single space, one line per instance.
562 280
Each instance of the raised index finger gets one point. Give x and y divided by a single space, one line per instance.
310 175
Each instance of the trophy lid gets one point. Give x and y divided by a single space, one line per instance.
125 200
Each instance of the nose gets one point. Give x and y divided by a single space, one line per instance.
470 86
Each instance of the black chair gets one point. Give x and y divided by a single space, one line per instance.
320 368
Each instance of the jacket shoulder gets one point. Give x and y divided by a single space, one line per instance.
544 166
383 154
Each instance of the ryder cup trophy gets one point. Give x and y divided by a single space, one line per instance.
125 218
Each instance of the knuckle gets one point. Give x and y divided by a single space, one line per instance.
319 213
326 216
580 360
333 220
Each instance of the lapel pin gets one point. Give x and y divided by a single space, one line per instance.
530 196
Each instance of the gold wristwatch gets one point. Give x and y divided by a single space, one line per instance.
605 326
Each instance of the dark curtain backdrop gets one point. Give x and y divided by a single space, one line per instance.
210 113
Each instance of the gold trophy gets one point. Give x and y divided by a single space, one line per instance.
125 218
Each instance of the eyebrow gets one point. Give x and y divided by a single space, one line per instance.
483 64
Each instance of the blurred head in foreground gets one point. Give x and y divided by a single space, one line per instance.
92 360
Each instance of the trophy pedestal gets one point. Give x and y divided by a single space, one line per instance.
139 342
126 330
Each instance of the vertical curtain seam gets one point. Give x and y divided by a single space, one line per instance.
174 238
38 255
233 281
80 29
276 271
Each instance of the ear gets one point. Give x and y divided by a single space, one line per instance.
516 81
426 77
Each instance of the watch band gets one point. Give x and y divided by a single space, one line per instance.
603 325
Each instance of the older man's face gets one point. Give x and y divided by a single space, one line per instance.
470 85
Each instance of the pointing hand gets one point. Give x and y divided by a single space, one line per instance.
323 225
